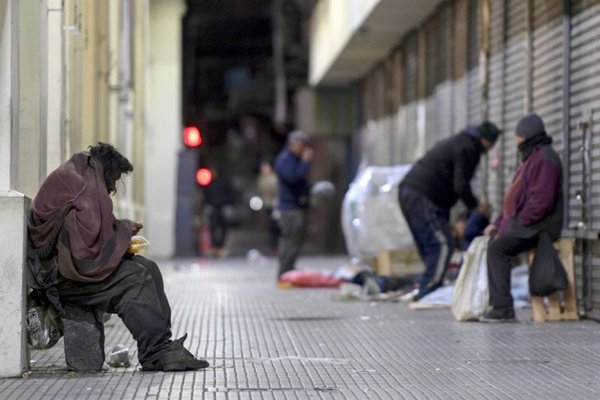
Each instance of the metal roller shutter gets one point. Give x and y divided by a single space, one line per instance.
410 74
381 123
585 108
584 146
396 99
432 45
495 101
473 84
459 66
514 84
547 62
443 89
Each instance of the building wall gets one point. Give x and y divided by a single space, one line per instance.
63 93
480 59
163 123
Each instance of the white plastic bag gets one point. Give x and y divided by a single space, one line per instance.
471 293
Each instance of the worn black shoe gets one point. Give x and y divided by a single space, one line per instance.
176 358
499 314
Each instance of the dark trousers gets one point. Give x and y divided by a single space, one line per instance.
293 225
134 292
431 231
218 227
500 254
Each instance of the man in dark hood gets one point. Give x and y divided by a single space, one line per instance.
78 254
432 186
533 204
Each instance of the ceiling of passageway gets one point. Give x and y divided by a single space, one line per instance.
382 31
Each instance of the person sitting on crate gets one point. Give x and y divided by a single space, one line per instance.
533 204
78 253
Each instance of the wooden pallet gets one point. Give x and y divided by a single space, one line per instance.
550 308
398 263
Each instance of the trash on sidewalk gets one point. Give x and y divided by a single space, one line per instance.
303 278
442 297
353 292
254 256
371 216
118 357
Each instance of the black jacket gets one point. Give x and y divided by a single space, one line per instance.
444 173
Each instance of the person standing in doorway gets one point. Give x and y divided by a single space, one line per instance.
292 166
432 186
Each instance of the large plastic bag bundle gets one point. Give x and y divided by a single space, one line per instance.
371 217
470 298
43 325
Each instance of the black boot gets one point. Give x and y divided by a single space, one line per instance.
176 358
499 314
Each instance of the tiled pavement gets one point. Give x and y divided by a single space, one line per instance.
265 343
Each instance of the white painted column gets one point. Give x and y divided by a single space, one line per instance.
13 205
163 116
53 88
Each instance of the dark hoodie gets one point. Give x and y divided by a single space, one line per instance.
444 174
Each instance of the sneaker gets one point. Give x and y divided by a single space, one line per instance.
176 358
410 297
499 314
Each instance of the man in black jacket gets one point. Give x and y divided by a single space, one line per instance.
432 186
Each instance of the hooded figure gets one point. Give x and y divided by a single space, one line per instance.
432 186
78 254
533 204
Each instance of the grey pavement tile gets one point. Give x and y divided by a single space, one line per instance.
264 343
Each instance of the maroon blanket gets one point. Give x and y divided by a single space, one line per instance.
92 242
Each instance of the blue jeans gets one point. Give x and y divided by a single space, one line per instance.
432 234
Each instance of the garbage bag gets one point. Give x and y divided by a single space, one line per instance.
371 217
43 324
547 273
308 278
470 299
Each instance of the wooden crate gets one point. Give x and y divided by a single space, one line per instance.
550 308
398 263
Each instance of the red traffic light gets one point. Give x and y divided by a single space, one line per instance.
192 136
204 176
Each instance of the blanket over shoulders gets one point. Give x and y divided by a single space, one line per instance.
74 201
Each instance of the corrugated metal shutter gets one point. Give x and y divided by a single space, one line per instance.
515 70
382 126
473 81
431 80
474 90
585 106
584 165
410 97
547 61
396 103
443 89
459 66
496 102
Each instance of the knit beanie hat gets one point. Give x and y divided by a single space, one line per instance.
297 136
489 132
529 126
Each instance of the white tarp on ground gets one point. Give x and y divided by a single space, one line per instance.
371 217
519 290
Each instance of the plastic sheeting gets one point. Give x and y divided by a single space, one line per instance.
371 217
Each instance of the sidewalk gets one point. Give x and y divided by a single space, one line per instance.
265 343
